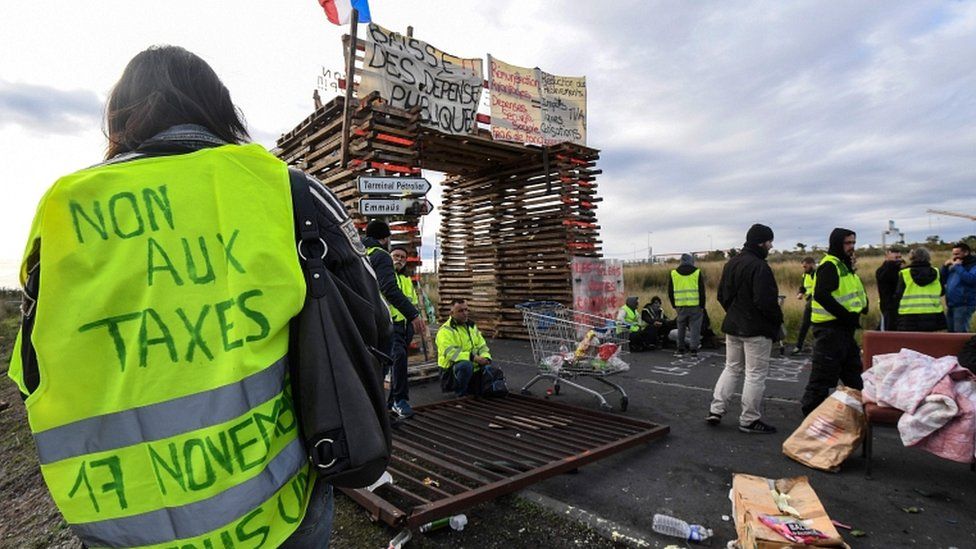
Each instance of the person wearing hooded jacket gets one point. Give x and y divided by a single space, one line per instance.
402 312
629 323
750 296
686 291
918 295
959 277
839 301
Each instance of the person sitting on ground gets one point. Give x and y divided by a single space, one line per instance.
462 352
629 323
918 295
658 324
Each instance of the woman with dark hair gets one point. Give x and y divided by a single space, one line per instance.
167 86
152 359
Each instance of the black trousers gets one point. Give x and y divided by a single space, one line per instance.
836 357
804 324
399 387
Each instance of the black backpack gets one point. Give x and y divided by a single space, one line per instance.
336 365
493 381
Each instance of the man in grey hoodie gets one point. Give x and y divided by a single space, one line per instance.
686 290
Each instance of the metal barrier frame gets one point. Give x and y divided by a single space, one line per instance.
458 453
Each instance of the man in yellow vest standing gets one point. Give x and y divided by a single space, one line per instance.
406 318
918 295
154 357
806 293
839 301
686 290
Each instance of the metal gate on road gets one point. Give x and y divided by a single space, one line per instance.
455 454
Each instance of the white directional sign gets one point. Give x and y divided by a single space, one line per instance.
410 186
392 206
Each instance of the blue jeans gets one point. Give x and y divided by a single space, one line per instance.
463 371
958 318
316 527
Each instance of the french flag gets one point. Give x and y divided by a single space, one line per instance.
338 11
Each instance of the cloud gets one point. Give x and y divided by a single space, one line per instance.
711 117
48 109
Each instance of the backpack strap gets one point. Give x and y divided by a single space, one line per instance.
312 248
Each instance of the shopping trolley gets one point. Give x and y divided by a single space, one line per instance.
569 344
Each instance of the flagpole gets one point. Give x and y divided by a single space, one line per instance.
350 73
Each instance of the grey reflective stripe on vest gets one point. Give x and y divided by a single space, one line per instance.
197 518
927 301
161 420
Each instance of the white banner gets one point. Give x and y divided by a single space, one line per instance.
598 286
515 103
563 108
533 106
409 72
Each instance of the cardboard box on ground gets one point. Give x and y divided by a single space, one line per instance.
753 496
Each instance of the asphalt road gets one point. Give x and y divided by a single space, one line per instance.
688 473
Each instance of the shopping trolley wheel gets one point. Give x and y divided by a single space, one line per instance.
526 392
624 401
606 407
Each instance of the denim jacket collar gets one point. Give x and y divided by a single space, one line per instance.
178 139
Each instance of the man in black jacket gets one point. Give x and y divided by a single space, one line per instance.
838 303
887 277
749 295
402 312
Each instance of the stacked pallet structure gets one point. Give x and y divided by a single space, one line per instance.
383 141
509 232
512 216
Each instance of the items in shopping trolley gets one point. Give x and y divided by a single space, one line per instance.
616 364
608 350
584 345
554 362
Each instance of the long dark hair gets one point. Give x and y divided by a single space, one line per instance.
164 86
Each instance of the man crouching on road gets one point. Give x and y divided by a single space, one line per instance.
461 352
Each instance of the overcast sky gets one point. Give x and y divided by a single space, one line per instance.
710 115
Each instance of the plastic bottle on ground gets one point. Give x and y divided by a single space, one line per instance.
457 523
671 526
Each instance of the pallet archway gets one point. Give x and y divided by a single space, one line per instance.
512 216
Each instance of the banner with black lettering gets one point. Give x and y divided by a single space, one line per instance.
535 107
409 72
563 108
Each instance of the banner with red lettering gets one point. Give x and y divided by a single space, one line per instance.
598 286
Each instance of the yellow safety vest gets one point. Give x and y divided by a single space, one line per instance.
406 286
631 319
686 288
849 293
456 342
164 416
403 282
808 283
920 300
